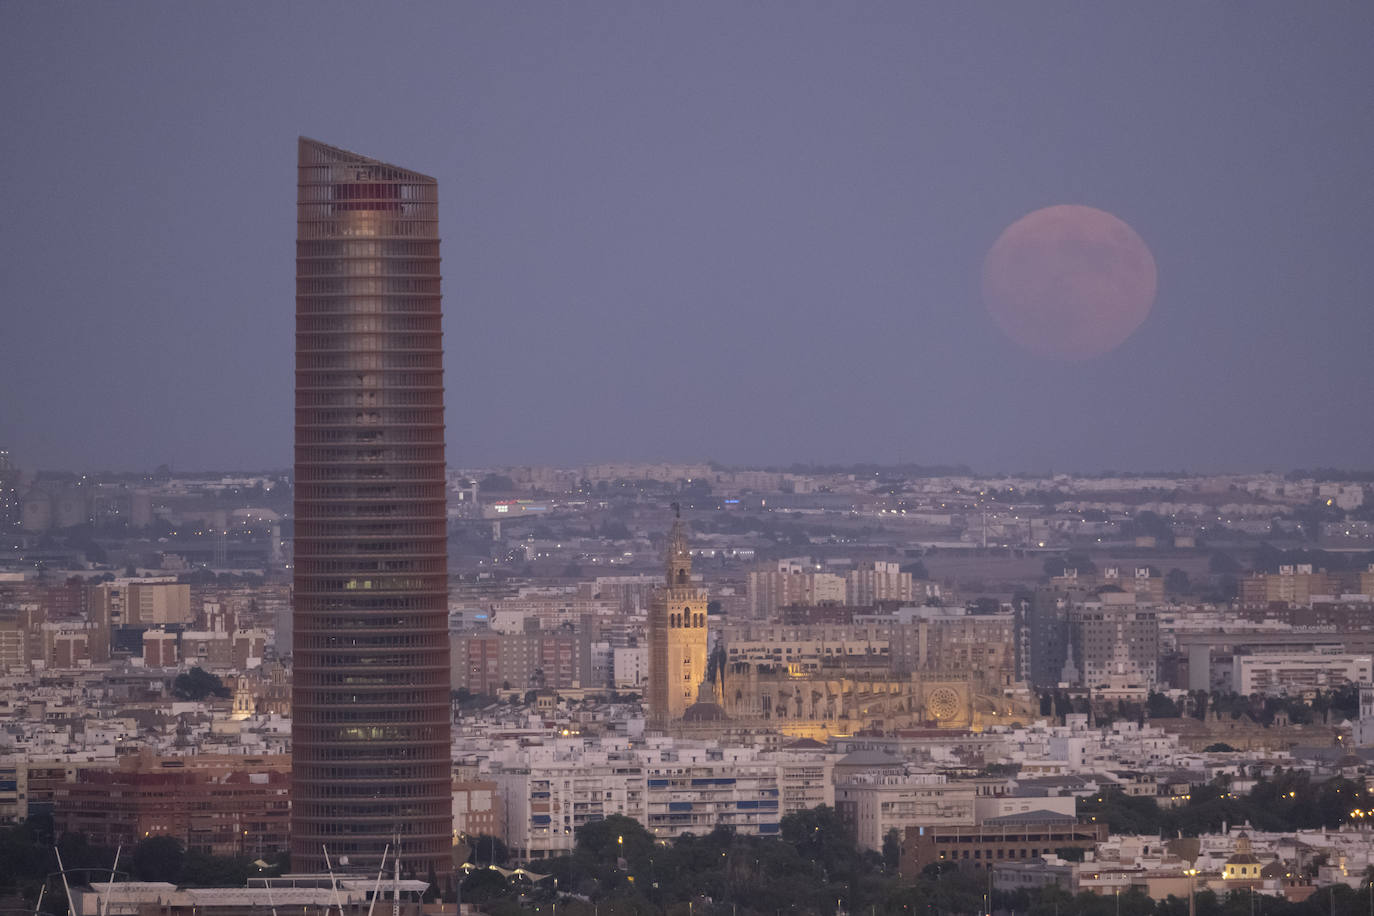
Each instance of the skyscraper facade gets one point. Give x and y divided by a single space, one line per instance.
370 695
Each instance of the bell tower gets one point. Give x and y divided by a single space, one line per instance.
677 633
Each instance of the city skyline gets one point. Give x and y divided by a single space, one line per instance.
811 458
774 224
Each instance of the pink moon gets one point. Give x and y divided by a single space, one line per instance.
1069 282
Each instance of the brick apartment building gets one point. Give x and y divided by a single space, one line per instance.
1017 837
218 804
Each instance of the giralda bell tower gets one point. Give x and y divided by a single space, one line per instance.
370 696
677 634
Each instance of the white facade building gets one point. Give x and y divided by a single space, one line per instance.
1296 672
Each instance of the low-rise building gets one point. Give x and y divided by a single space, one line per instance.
998 840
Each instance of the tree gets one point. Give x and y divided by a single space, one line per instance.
614 838
499 483
483 885
820 835
1160 706
615 530
892 850
1201 700
197 684
917 569
488 850
1222 564
1149 524
204 870
159 858
1177 583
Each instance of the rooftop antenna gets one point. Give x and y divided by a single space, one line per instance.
377 887
677 510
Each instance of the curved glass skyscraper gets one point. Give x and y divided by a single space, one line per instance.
370 692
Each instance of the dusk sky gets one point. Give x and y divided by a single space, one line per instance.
747 232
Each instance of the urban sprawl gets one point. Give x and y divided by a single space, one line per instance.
1123 685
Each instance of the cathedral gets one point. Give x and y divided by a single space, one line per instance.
691 693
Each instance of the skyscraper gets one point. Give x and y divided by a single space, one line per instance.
370 694
677 635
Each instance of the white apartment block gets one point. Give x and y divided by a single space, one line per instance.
874 803
630 667
1297 672
671 786
1077 749
548 791
696 789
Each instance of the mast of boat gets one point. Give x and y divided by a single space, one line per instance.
267 882
396 879
38 907
62 870
333 882
376 887
102 905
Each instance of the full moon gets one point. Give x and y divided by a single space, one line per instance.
1069 282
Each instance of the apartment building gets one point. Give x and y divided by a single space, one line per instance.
219 804
871 583
1115 644
548 791
981 646
997 840
1294 584
671 786
792 582
872 803
485 661
1297 673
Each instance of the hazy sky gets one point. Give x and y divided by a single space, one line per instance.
750 232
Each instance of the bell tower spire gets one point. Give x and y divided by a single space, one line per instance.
678 559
